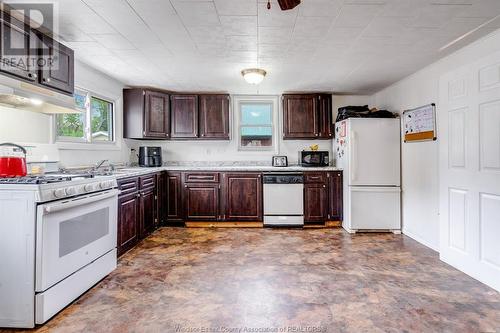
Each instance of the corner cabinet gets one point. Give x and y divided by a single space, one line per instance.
307 116
146 114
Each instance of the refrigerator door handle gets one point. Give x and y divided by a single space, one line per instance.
353 157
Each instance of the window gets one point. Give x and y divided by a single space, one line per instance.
93 124
256 124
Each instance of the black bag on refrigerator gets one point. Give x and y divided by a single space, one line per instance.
352 111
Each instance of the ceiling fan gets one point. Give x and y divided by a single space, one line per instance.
285 4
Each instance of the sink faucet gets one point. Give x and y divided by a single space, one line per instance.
100 164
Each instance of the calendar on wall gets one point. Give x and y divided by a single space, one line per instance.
420 124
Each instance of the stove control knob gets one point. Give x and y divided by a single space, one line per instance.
102 185
111 183
59 193
70 191
89 187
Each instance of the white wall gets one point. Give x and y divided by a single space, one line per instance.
420 160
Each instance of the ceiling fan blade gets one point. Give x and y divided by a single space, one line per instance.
288 4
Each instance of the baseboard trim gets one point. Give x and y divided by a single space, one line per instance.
420 240
209 224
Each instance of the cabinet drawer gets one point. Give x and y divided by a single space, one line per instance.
201 177
147 181
315 177
128 185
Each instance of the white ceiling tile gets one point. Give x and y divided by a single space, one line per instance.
343 35
207 34
275 35
114 11
329 8
113 41
357 15
236 7
275 17
153 11
71 33
242 43
196 13
311 26
89 48
239 25
433 15
272 50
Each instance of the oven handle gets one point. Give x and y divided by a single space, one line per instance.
57 207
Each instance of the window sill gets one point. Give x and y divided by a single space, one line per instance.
88 146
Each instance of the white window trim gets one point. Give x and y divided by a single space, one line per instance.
69 143
274 100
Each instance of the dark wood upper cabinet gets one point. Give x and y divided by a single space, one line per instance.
201 201
242 196
300 116
307 116
18 49
325 116
184 110
59 73
156 115
335 196
214 117
146 114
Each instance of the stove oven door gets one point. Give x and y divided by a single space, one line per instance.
72 233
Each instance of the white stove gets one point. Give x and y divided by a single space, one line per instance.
57 239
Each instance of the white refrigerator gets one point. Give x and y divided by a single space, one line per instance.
369 152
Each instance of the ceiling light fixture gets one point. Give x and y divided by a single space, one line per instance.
253 75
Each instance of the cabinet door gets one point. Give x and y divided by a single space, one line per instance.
128 222
300 117
214 117
18 45
315 202
59 74
325 116
335 196
174 208
162 195
184 116
242 197
201 201
148 211
156 115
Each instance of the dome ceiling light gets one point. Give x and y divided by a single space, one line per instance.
253 75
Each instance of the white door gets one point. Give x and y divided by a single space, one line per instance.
369 151
469 134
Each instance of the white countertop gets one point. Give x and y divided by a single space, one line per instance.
137 171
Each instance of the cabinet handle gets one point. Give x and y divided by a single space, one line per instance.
46 80
324 185
185 186
31 75
203 135
316 134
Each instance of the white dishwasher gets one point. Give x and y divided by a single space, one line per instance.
283 199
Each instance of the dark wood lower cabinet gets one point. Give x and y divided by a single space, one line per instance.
174 200
201 201
148 211
137 210
315 203
128 216
242 197
335 196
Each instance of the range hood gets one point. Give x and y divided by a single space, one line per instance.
26 96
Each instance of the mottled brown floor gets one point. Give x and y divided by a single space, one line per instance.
180 279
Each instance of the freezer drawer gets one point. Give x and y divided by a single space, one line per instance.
375 208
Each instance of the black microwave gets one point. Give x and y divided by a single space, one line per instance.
314 158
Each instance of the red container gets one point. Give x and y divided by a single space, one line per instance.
12 160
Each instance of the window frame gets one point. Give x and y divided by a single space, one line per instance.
271 100
87 139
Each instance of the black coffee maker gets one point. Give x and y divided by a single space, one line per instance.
150 156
